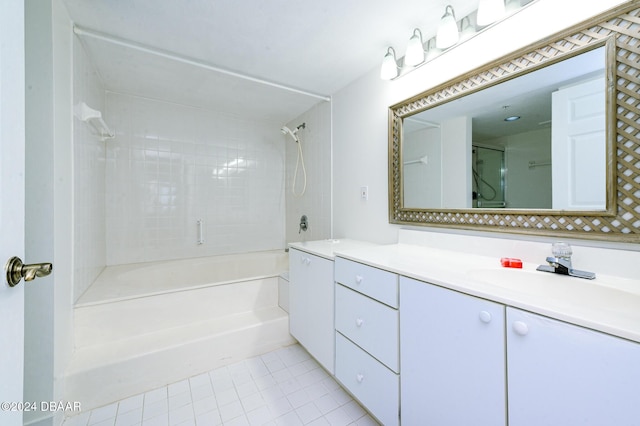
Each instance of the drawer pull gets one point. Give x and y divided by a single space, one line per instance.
485 317
359 322
359 377
520 328
358 279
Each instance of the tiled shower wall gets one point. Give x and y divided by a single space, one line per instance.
88 178
171 165
315 203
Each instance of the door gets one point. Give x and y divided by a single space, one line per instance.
578 148
12 139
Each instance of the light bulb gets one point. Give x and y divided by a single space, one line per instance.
389 68
415 49
447 34
489 11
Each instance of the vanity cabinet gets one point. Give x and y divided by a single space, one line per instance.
367 337
452 348
563 374
311 305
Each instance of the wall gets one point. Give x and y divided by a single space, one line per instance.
171 165
422 180
519 151
315 203
89 176
360 114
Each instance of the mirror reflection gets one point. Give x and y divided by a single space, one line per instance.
537 141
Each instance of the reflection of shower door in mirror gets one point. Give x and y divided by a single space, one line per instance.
488 177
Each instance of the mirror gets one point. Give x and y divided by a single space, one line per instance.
536 141
456 167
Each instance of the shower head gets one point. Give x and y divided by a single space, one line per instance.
285 130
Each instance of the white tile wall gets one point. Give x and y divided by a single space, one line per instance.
316 201
171 165
89 177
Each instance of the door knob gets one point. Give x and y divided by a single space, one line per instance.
16 270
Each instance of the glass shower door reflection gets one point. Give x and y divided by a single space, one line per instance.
488 177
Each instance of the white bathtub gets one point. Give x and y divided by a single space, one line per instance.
146 279
139 327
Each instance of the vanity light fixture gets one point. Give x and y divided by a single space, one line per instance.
466 29
447 34
432 50
389 69
489 11
415 49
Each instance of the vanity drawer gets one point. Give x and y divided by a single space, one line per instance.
368 323
376 283
373 384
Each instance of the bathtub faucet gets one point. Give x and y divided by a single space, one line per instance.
304 224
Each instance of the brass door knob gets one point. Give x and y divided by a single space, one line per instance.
16 271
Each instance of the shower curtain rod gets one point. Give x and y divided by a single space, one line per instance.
173 56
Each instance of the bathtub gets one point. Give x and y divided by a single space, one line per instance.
142 326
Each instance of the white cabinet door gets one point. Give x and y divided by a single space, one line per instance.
561 374
452 356
311 293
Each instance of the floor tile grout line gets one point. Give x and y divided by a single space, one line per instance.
248 372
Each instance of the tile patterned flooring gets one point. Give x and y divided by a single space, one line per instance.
283 387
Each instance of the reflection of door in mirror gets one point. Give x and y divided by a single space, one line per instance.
579 175
488 177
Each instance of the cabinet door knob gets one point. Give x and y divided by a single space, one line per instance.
358 279
359 377
520 328
359 322
485 317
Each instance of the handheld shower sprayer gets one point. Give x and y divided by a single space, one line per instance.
299 160
285 130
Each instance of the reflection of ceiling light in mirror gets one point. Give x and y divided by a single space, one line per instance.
415 49
489 11
512 118
447 34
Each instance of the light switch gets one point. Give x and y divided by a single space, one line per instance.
364 192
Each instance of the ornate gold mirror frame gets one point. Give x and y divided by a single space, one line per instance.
621 220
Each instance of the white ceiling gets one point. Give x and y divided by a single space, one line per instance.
317 47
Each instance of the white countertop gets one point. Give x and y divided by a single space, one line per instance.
609 304
327 248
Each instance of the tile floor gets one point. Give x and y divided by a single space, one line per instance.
283 387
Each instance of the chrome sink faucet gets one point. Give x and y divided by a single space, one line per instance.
560 262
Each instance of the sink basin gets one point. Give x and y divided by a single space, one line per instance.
511 277
522 278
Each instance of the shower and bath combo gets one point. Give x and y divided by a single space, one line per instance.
299 160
